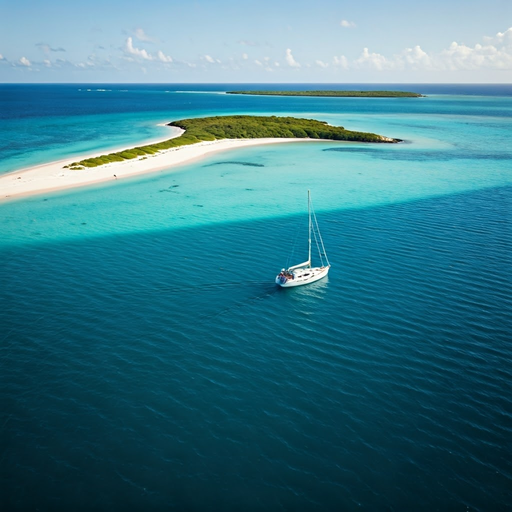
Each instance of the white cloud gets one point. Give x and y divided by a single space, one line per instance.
164 58
276 64
209 58
416 58
245 56
25 62
341 62
143 54
47 63
290 60
1 57
258 63
142 36
372 60
321 64
495 56
501 38
135 51
347 24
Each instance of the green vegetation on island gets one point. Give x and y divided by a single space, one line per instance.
342 94
237 127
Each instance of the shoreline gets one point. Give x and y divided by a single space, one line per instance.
52 177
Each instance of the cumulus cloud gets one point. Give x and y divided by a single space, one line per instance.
164 58
321 64
416 58
410 58
143 54
347 24
135 51
142 36
372 60
25 62
341 62
495 53
501 38
495 56
290 60
209 59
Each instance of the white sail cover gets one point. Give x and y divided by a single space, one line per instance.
301 265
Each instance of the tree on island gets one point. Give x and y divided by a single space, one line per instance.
342 94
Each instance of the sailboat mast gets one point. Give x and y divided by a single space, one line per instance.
309 228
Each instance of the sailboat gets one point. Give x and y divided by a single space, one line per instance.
304 273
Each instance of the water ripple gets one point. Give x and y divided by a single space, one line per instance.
141 365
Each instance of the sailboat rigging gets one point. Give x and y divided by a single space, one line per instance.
304 273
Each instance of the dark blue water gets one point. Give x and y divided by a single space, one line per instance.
147 360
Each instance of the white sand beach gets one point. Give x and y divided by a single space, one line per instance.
53 176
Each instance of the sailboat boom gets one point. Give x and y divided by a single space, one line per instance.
301 265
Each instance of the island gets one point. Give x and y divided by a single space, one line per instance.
341 94
191 139
237 127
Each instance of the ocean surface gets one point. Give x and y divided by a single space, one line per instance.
149 362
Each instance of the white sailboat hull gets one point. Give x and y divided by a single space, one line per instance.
302 276
304 273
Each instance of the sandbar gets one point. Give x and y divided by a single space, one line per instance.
53 176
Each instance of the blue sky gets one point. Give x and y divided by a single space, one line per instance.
319 41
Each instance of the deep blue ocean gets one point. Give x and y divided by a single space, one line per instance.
149 362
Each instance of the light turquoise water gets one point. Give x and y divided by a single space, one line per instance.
440 155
